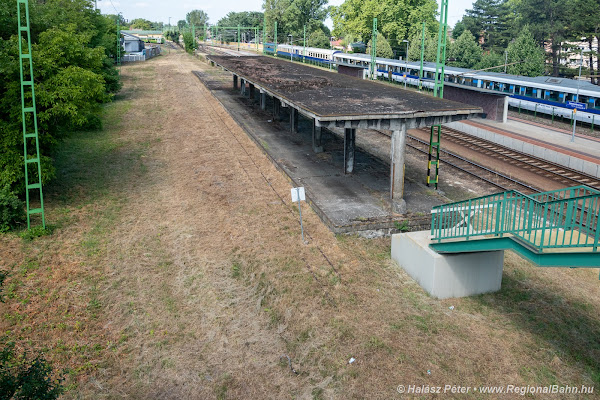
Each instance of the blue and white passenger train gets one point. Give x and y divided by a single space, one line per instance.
543 94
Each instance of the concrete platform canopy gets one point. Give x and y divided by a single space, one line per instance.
334 101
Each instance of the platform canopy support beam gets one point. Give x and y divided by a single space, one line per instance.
276 108
263 100
251 91
397 170
349 149
316 137
235 82
242 87
293 120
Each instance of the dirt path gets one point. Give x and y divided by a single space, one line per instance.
184 277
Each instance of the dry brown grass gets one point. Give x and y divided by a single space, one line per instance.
177 261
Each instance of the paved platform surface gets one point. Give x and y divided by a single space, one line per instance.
346 203
329 94
584 147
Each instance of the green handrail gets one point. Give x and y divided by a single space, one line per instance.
558 219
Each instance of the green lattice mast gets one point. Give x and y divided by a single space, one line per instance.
29 116
422 56
374 50
435 136
438 89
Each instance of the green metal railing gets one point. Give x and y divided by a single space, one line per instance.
559 219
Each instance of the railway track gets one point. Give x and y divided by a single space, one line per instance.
549 170
476 170
563 175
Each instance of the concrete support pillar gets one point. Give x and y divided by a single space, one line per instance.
316 137
293 120
349 149
276 108
242 87
235 82
251 90
397 170
263 100
505 110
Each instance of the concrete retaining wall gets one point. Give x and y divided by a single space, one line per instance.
492 104
568 161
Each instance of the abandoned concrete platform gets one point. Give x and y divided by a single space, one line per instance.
347 203
335 101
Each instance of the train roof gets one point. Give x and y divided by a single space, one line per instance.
313 49
543 82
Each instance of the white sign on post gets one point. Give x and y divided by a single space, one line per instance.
298 196
298 193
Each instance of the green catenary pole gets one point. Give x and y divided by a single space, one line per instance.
119 42
29 114
304 51
422 56
264 34
438 90
374 49
238 38
275 39
193 37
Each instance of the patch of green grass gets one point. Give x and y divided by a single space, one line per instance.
342 330
376 343
274 317
223 387
425 323
236 270
402 226
318 393
35 232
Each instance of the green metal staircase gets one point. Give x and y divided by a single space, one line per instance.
553 229
31 144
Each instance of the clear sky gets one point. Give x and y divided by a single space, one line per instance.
160 10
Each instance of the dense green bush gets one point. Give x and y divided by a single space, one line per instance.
189 42
73 49
12 209
22 380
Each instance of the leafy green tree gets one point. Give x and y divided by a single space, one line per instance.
490 19
197 17
74 74
584 23
527 54
181 24
465 52
547 20
141 23
189 41
459 28
489 60
319 39
243 19
293 15
397 20
383 47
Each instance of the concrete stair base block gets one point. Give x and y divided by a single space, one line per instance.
447 275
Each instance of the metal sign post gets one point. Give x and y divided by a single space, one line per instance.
298 195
